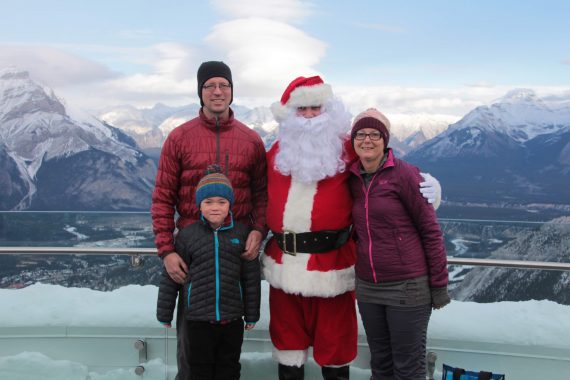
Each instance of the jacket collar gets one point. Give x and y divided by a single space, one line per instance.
211 123
390 162
228 223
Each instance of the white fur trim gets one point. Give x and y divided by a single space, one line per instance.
293 277
299 206
340 365
305 96
290 357
279 111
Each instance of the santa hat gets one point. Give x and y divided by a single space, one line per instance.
371 118
302 92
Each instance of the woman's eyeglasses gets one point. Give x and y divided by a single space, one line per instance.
374 136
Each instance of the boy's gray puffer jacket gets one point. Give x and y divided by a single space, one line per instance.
220 284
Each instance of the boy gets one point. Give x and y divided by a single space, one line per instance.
220 288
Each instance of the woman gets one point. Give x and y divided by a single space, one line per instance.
401 269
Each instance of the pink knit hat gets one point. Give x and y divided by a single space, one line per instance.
371 118
302 92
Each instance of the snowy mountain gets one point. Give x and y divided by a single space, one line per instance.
515 151
550 243
150 126
59 158
411 130
12 187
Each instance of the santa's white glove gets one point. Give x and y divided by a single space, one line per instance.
431 189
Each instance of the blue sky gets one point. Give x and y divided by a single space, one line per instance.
438 57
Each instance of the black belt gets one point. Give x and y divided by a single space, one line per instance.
311 242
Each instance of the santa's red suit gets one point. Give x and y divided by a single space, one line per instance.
312 300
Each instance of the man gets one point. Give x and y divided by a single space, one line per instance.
214 137
309 262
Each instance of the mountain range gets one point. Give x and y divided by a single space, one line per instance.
150 126
58 158
515 151
549 243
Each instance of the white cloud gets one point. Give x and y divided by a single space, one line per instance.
53 67
170 78
429 100
451 102
283 10
265 55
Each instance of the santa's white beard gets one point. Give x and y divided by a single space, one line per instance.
312 149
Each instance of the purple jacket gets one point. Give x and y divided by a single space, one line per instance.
398 234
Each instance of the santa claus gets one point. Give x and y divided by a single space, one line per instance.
309 261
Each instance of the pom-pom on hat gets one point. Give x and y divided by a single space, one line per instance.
213 69
302 92
214 184
371 118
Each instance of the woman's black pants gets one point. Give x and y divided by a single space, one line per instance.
397 339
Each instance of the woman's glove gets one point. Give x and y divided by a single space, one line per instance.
439 297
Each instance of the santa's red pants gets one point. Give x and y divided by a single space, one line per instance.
327 324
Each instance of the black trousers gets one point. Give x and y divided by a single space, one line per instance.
212 351
182 342
397 340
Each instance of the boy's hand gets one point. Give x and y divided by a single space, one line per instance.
176 267
252 245
249 326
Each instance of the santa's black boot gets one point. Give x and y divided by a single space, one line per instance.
336 373
291 372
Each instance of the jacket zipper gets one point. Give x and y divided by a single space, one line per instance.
217 141
217 269
366 193
227 163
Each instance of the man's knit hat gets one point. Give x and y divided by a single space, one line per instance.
302 92
371 118
213 69
214 184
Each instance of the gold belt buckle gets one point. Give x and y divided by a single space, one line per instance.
285 233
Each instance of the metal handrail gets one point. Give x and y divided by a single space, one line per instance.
77 251
517 264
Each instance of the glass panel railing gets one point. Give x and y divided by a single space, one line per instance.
79 315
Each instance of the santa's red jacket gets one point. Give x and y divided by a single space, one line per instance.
300 207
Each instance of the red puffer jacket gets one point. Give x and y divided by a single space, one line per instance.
186 154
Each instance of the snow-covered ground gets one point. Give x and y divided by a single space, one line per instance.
530 323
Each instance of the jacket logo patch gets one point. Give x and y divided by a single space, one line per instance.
383 181
235 241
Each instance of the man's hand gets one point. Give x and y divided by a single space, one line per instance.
252 245
176 267
431 189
